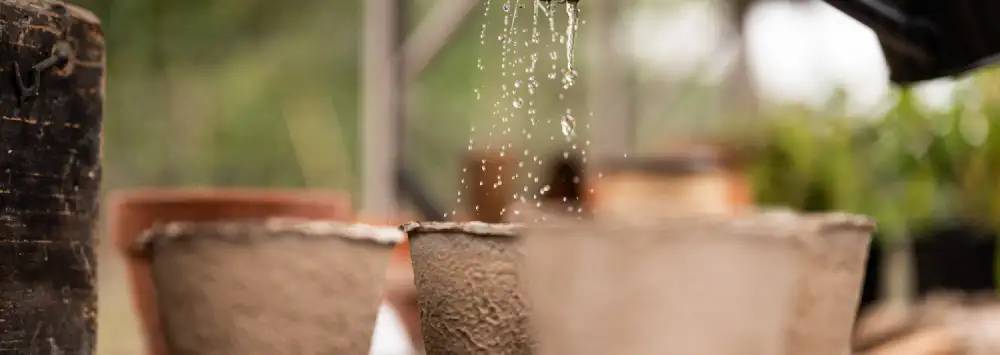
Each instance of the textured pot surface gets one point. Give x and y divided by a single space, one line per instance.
268 288
684 286
835 254
134 211
468 289
773 283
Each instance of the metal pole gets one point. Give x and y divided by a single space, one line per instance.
382 98
614 123
432 34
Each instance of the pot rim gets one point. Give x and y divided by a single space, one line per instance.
781 223
469 228
275 227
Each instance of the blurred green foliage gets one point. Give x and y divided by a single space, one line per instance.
911 168
265 93
202 92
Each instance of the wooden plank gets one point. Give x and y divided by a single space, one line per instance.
49 179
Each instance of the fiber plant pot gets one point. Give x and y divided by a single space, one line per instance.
273 287
835 255
135 211
468 289
705 285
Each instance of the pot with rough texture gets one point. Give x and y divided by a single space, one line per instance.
134 211
468 289
835 255
268 287
699 285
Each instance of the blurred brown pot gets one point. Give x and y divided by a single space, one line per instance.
693 181
134 211
766 284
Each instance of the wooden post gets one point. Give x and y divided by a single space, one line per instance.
49 176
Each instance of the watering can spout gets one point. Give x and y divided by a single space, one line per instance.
897 30
927 39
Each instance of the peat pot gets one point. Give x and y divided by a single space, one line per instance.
134 211
467 287
268 287
767 284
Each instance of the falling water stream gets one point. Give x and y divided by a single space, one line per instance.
519 60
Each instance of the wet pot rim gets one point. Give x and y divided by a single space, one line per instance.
482 229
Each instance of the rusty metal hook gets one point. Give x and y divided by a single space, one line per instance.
60 54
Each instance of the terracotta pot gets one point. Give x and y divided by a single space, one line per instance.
706 285
134 211
269 287
690 182
468 289
487 202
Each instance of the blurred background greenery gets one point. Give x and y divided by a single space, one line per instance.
266 93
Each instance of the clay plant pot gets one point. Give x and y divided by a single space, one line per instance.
481 173
468 290
133 211
268 287
688 182
705 285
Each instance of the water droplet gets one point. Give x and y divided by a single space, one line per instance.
545 189
568 125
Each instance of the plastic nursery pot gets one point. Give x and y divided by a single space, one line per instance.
468 290
269 287
690 182
705 285
135 211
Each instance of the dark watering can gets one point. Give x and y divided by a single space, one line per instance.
926 39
